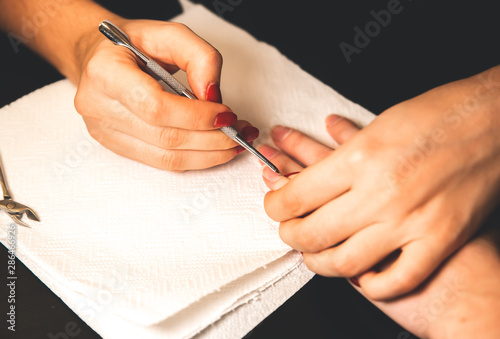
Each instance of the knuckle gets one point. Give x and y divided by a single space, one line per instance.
80 102
213 57
344 265
306 240
293 203
404 281
199 117
223 142
312 262
285 235
359 156
171 137
87 105
178 26
171 160
149 107
323 241
96 132
94 68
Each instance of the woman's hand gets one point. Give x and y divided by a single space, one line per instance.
124 108
460 299
415 185
129 112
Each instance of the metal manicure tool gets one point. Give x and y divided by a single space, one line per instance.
118 37
14 209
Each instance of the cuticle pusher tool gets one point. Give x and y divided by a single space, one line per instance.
118 37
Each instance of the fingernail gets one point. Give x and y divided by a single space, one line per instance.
250 133
280 133
332 120
225 119
268 151
270 175
241 149
213 93
290 174
355 281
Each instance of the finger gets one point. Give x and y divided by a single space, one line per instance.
354 256
327 226
174 160
284 164
314 187
340 129
176 44
298 145
416 262
177 138
142 95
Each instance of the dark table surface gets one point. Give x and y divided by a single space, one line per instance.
425 44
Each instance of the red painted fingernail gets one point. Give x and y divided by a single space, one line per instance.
355 281
213 93
280 133
240 149
225 119
289 174
250 133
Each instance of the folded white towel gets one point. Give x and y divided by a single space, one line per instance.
165 253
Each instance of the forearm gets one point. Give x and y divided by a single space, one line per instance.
58 30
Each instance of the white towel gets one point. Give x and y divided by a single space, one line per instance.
133 249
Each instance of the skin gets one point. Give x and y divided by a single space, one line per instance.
134 117
417 182
131 114
459 300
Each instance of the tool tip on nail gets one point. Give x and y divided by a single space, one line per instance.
273 168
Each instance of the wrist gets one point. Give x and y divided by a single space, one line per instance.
86 42
57 30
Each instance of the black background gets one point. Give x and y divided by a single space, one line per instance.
431 42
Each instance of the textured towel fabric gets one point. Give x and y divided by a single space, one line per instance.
165 253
